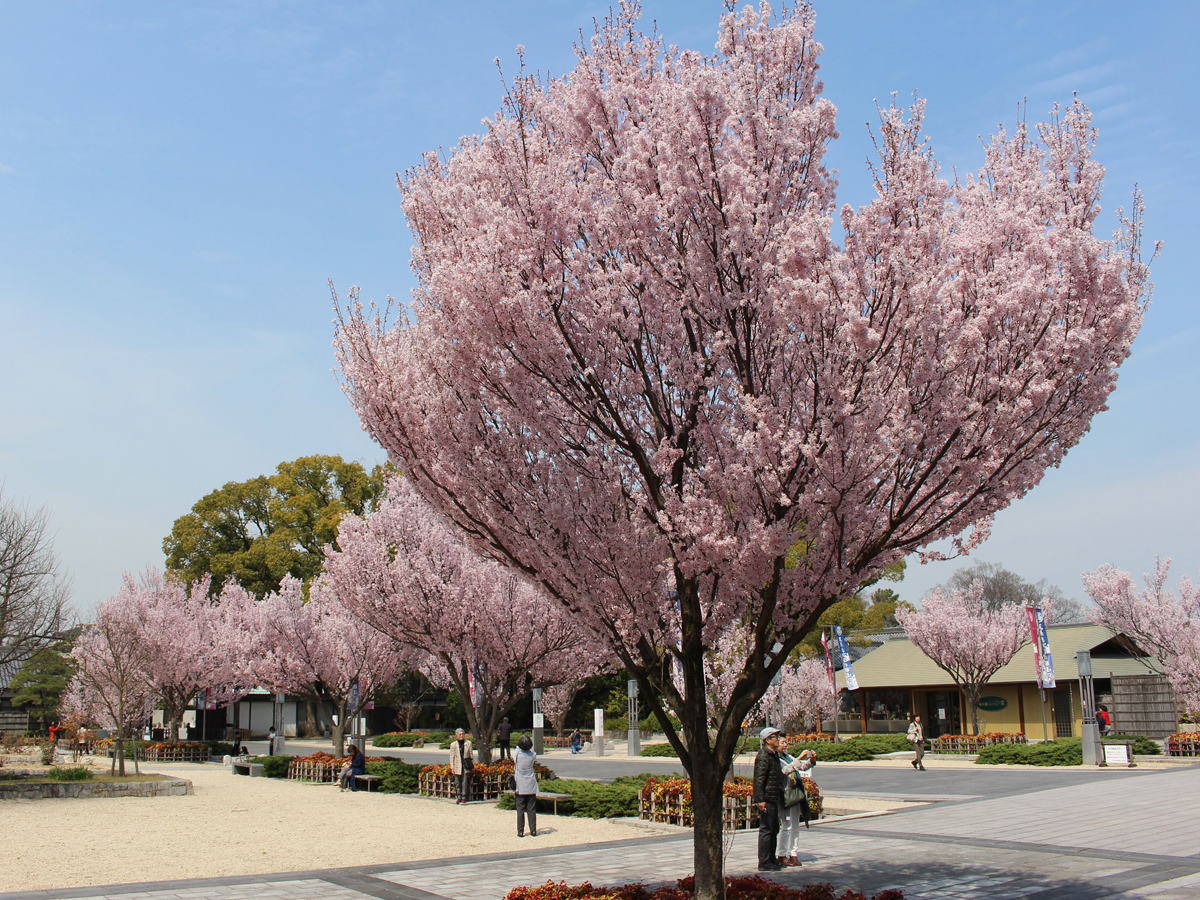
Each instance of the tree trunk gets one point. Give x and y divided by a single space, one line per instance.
708 831
338 729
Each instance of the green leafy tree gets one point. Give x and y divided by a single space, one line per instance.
856 614
40 682
263 529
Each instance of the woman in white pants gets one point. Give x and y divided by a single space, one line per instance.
788 843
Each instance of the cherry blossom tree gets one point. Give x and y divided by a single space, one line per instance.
808 698
968 639
489 634
642 371
186 643
111 684
1164 623
317 650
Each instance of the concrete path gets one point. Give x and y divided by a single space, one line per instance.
1136 838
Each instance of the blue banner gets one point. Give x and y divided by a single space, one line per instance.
851 681
1047 660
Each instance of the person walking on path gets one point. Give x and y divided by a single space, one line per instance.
462 764
504 738
916 737
790 819
768 796
525 785
357 765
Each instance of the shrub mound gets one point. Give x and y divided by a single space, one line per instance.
399 777
410 738
1062 752
1142 745
749 887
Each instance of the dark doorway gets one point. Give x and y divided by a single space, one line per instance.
942 716
1064 713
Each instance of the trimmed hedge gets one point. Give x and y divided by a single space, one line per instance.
589 799
410 738
274 766
1062 752
399 777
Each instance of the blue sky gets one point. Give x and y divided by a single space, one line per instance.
179 181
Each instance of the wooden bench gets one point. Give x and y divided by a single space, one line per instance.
243 767
554 797
369 780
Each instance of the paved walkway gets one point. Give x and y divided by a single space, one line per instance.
1139 839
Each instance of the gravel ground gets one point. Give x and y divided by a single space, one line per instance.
245 826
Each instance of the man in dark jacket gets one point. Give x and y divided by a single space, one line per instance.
504 739
768 795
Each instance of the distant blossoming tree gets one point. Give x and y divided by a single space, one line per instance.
317 650
488 633
969 639
808 697
112 686
1165 624
185 643
642 372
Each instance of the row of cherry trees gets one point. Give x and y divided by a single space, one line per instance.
402 591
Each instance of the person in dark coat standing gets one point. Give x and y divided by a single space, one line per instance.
504 739
768 796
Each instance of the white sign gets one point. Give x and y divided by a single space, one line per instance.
539 720
598 727
1116 755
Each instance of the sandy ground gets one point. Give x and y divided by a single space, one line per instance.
244 826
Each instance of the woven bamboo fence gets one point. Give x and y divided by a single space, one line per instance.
482 787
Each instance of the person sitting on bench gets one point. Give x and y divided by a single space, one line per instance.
356 766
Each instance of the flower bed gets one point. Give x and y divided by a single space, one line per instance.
747 887
670 801
320 767
1185 743
970 743
488 782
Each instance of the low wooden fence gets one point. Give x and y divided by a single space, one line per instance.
1184 744
482 787
970 743
737 814
174 753
316 771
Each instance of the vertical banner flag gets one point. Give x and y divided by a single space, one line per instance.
851 681
1047 659
1031 614
828 662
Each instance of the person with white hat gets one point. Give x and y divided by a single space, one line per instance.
768 796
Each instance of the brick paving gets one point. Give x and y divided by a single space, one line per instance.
1138 840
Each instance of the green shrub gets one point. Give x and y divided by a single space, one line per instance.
221 748
274 766
1142 745
658 750
1063 752
589 799
69 773
882 743
400 739
399 777
853 750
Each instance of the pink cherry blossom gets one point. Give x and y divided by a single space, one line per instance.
1163 623
968 640
316 650
643 372
487 632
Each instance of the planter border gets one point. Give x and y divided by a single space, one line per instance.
169 787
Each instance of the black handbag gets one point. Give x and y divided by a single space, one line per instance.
794 792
